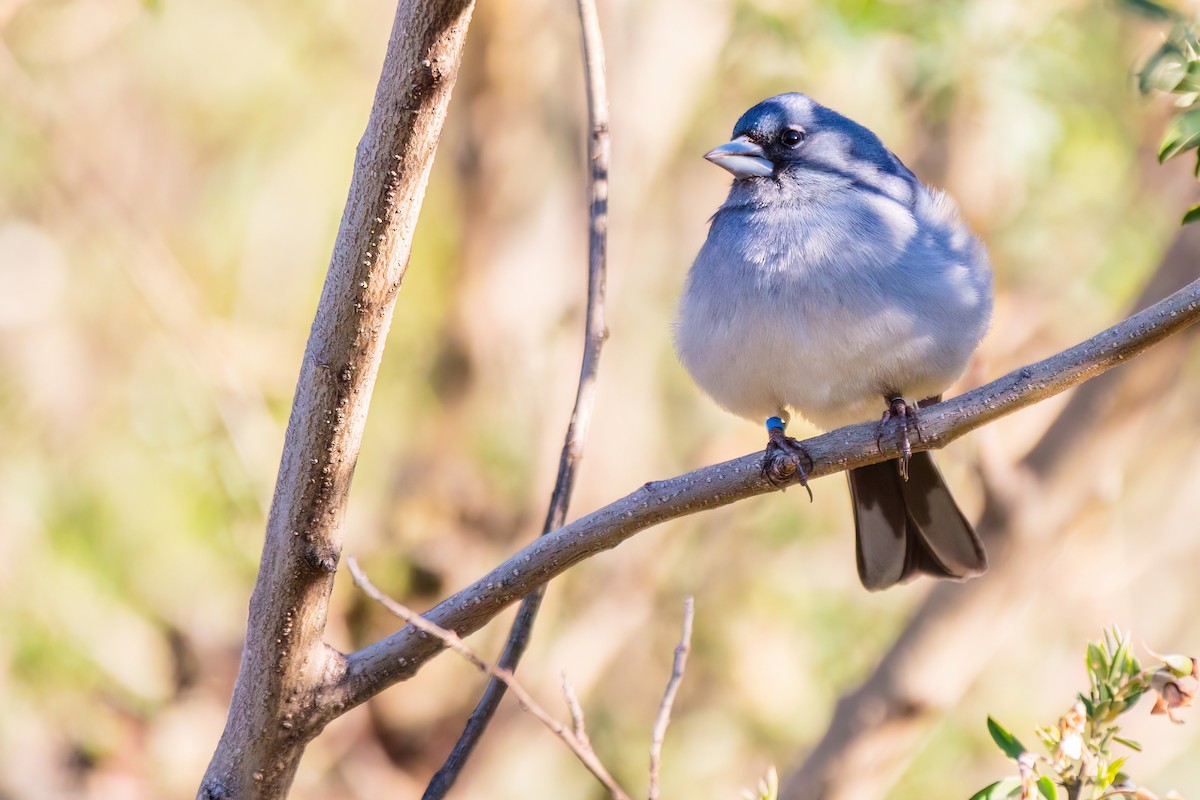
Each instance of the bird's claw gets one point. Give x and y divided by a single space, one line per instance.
784 461
905 416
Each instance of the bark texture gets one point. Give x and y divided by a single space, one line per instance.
275 712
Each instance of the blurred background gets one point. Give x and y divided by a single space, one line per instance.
173 175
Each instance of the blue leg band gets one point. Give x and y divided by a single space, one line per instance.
776 422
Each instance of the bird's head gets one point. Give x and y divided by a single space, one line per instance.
790 134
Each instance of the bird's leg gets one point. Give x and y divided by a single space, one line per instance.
905 416
782 446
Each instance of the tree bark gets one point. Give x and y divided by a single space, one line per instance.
274 711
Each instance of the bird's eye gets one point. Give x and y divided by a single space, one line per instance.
792 137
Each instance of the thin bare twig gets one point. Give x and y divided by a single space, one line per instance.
595 333
576 709
668 701
579 746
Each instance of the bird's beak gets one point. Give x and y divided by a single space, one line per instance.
743 158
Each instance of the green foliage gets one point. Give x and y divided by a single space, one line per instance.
1005 740
1183 134
1174 68
1009 787
1079 747
1151 10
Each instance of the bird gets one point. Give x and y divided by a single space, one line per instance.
834 283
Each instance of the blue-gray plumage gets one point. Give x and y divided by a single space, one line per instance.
834 284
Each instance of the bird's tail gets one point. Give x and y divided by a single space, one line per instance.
908 528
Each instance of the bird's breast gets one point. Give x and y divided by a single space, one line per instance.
823 309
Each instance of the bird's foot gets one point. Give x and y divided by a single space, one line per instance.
906 417
784 458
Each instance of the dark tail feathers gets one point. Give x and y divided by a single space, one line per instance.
908 528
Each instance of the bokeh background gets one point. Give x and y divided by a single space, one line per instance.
171 179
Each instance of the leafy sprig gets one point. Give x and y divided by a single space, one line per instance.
1174 69
1082 761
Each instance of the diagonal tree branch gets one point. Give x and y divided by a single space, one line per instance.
595 333
285 664
402 654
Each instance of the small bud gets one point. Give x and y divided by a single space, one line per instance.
1074 720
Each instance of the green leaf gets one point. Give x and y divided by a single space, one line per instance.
1097 664
1189 81
998 790
1150 9
1186 31
1183 133
1117 668
1114 769
1005 740
1130 743
1046 787
1165 70
1107 645
1133 692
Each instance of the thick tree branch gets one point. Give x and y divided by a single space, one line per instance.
400 655
285 663
595 333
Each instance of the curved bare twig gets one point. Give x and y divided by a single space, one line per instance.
668 700
402 654
577 740
595 333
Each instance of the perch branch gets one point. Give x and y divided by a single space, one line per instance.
400 655
595 332
286 666
668 701
579 745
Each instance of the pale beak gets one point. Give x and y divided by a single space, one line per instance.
743 158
